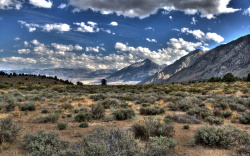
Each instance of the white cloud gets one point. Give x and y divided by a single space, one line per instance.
114 23
61 27
144 8
10 4
1 50
151 40
149 28
95 49
18 60
62 6
26 44
180 44
17 38
247 12
23 51
198 34
171 18
41 3
87 28
194 21
93 24
61 47
58 55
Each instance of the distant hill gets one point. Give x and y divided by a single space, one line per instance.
25 79
73 75
170 70
135 72
233 57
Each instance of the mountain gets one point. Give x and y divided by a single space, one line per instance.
233 57
135 72
170 70
74 75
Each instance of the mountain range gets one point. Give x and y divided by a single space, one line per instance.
233 57
170 70
135 72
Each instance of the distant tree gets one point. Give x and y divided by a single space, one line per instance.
104 82
79 83
248 78
229 77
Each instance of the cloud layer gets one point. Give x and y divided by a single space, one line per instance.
144 8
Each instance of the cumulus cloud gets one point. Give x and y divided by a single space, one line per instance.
200 35
61 27
180 44
113 23
151 40
194 21
10 4
171 18
247 12
144 8
61 47
18 60
41 3
23 51
58 55
17 38
1 50
91 28
95 49
149 28
62 6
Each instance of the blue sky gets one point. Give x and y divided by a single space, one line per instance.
111 34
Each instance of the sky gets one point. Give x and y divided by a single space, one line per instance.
112 34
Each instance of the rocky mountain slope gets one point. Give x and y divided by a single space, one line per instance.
180 64
233 57
135 72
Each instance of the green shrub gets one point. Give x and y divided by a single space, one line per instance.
58 111
160 146
123 114
151 127
28 107
225 137
107 104
112 142
98 111
83 125
49 118
145 104
45 111
11 102
97 97
67 106
61 125
185 126
44 143
200 112
76 110
167 119
8 130
81 117
212 120
245 118
69 115
173 106
152 111
124 104
227 114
